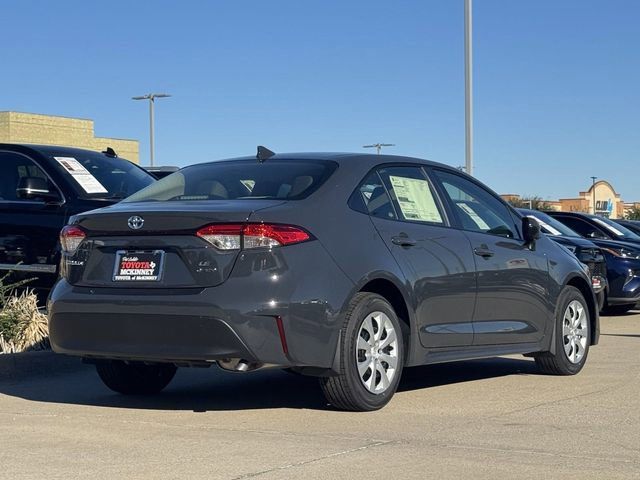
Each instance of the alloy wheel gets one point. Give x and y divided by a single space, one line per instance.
575 331
377 352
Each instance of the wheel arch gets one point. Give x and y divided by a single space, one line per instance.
392 290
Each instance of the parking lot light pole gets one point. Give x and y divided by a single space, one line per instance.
378 146
468 86
151 97
593 192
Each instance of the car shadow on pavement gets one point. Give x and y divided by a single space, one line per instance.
456 372
201 390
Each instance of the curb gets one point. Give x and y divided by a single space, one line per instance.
32 364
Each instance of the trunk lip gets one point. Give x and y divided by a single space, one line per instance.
97 222
176 207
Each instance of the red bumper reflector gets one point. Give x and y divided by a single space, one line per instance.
283 337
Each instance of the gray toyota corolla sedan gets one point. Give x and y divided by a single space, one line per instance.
346 267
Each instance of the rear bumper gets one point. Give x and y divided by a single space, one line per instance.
235 320
150 337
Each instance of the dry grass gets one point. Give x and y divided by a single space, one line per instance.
22 326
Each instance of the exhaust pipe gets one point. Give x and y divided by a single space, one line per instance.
242 366
238 365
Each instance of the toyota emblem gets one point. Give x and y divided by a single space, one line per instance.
135 222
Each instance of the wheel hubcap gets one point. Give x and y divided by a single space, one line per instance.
377 352
575 331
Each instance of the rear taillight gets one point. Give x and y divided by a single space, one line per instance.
252 235
71 237
223 237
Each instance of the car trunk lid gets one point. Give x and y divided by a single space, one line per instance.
154 245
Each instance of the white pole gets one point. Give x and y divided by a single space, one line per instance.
151 130
468 86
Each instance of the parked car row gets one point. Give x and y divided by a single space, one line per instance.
584 250
621 249
613 241
346 267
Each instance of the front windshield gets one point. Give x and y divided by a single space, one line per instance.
616 229
96 175
550 225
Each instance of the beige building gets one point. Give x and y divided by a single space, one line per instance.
607 201
17 127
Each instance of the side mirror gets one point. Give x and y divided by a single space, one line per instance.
530 230
35 188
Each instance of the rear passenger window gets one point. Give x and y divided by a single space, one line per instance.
412 194
583 228
371 197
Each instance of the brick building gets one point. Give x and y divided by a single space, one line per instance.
18 127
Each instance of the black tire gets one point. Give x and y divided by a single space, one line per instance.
558 363
135 378
617 309
346 391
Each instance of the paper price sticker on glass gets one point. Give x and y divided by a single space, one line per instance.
88 182
415 199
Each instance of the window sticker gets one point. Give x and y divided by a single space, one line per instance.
474 216
415 199
88 182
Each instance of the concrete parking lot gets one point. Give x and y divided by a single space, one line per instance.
495 418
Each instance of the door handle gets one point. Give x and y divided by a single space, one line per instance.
403 241
483 252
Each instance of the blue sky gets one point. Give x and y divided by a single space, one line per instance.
556 81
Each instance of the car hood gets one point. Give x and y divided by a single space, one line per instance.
615 244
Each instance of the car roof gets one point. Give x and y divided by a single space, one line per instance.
339 157
570 214
47 150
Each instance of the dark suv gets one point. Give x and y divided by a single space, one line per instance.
40 188
596 227
343 266
621 248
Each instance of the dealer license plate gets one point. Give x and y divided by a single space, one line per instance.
138 266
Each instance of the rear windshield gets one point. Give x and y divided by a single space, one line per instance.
239 180
95 175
